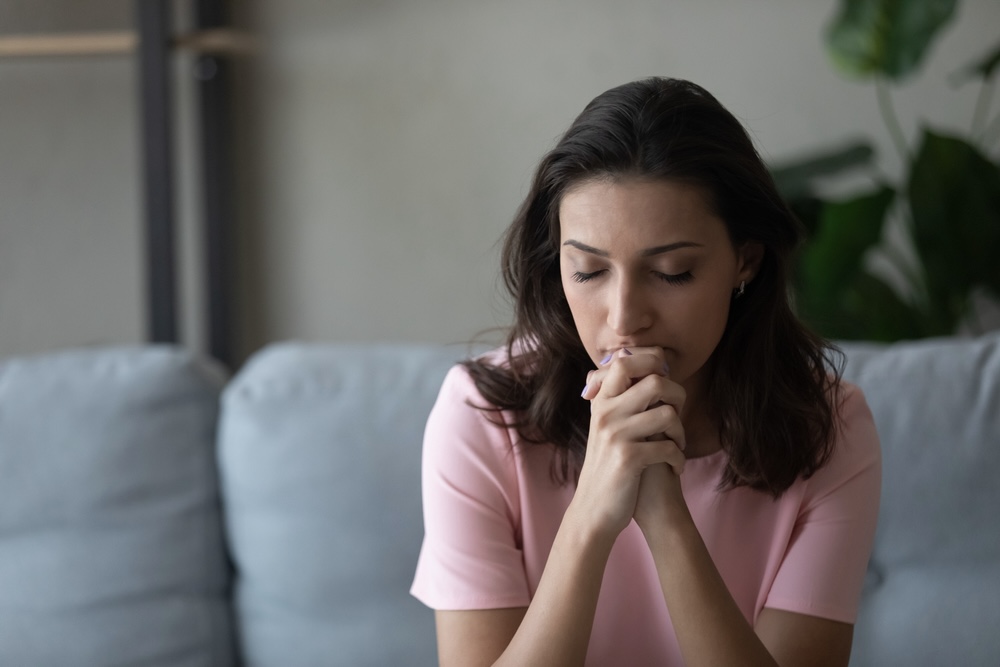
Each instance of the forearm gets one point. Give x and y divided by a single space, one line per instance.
710 628
557 625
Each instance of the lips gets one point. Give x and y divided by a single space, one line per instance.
630 346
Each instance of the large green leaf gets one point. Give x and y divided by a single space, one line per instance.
866 308
874 311
846 231
830 279
885 37
954 194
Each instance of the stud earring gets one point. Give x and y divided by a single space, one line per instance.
738 292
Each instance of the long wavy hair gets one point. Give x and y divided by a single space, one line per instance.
772 383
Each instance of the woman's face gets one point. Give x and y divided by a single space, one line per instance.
647 263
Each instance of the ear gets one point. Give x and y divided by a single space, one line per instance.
749 257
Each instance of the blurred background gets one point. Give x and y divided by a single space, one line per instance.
381 147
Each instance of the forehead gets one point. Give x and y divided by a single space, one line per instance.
608 211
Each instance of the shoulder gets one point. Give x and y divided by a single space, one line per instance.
462 422
459 399
856 451
459 386
493 382
468 452
856 434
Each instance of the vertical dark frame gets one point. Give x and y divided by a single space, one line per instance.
153 19
213 74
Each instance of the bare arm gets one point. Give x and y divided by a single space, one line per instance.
710 628
554 630
474 638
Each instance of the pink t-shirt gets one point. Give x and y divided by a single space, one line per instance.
491 512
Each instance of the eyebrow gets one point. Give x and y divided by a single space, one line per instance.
649 252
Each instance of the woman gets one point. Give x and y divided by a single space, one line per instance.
710 498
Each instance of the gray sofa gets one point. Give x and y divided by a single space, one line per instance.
144 521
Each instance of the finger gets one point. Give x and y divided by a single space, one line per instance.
616 377
638 363
659 423
591 388
652 391
662 451
675 458
626 369
651 350
595 378
642 361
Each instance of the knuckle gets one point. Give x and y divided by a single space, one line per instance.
616 432
600 418
668 412
647 383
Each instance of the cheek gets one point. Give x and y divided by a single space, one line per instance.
713 325
579 306
584 309
704 316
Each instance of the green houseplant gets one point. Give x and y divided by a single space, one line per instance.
948 200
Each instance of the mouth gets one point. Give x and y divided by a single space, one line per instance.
631 346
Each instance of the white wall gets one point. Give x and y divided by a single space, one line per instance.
72 253
399 137
386 144
68 194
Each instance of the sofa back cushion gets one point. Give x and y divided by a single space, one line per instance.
320 461
934 578
111 543
320 457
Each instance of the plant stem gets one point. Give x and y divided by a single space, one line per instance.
982 108
992 128
890 119
914 278
915 272
972 318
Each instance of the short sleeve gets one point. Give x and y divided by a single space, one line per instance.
471 557
823 570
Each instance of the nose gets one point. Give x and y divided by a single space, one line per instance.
629 310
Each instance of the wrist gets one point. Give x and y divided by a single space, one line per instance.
670 528
585 531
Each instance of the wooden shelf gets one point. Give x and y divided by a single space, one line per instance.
84 44
222 41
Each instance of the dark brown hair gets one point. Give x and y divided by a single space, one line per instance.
771 385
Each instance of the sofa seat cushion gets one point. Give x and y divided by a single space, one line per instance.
934 575
320 460
111 544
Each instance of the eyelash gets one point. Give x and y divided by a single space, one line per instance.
676 279
581 277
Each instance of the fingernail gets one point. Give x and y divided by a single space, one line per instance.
666 368
585 388
607 358
626 352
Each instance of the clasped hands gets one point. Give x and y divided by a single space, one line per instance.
636 442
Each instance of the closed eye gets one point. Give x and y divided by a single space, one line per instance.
675 279
581 277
